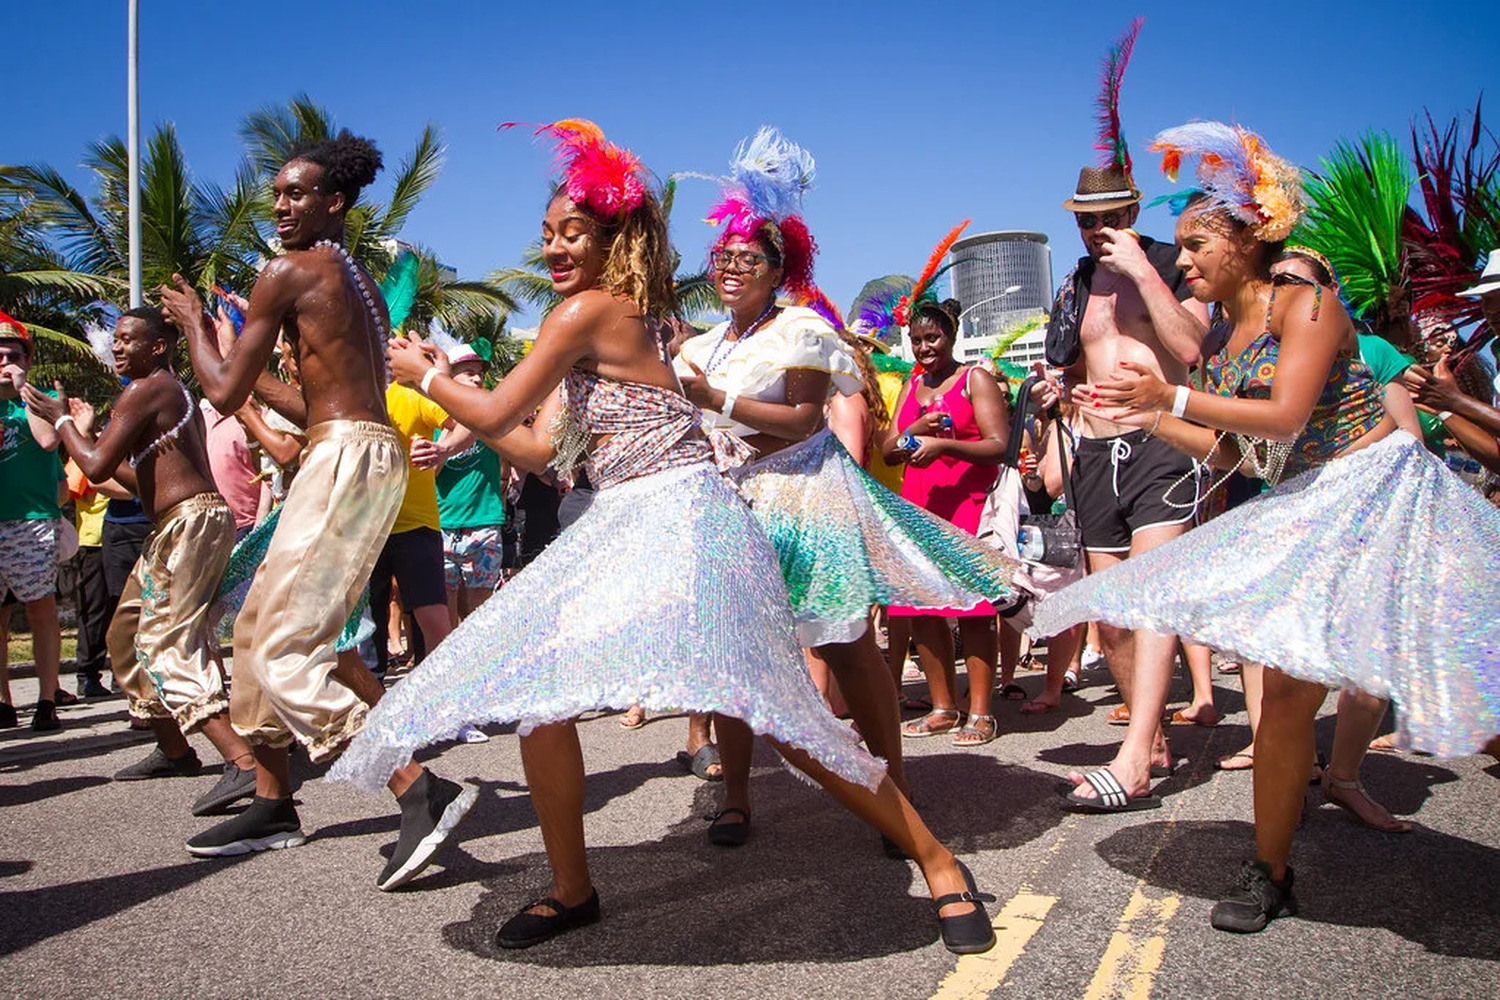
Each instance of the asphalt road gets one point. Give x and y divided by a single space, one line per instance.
98 897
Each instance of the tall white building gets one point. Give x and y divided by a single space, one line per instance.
1001 279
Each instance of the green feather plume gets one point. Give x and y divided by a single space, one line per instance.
400 287
1357 204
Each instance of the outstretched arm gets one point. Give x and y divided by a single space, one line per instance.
228 377
562 341
1309 345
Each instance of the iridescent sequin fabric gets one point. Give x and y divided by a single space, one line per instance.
1378 571
664 594
846 542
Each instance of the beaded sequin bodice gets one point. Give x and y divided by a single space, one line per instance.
646 428
1350 406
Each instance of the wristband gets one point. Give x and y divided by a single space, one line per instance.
1180 401
730 398
1443 417
66 418
432 373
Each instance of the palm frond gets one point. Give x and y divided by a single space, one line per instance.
526 286
59 207
273 132
415 176
697 295
71 284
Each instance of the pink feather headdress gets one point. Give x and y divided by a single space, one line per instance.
603 177
1240 175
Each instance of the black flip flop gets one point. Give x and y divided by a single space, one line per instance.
1111 796
699 763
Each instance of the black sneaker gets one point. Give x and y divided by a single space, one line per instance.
267 825
430 809
91 687
1255 902
157 764
45 718
8 718
233 785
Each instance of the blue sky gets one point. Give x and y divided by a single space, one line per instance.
919 114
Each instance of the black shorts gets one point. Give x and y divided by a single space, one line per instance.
415 559
1128 484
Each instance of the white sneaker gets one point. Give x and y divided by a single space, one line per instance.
472 734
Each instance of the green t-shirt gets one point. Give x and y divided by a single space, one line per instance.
29 471
1387 364
469 491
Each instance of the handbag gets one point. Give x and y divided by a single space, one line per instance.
1060 535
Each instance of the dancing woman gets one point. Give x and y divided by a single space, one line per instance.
845 542
664 593
1256 582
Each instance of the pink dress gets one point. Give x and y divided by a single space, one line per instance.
952 488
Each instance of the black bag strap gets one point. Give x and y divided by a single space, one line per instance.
1018 422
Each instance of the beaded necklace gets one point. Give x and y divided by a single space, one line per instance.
740 338
166 436
362 283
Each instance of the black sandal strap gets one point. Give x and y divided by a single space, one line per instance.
558 909
745 816
955 897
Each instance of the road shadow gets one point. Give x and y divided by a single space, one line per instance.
20 795
1430 888
10 869
29 916
811 885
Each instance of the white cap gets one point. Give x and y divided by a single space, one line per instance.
1489 281
462 353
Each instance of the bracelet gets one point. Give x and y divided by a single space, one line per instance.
730 398
1180 401
1155 425
66 418
432 373
1443 417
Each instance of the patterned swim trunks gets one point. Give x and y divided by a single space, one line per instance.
28 558
472 557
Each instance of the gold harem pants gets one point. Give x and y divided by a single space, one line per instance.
336 518
162 642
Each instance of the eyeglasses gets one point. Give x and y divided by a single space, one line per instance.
738 261
1088 220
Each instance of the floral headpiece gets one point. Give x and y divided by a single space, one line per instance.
606 179
762 196
923 293
1239 173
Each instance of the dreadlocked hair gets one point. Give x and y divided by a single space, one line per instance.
349 163
870 389
638 258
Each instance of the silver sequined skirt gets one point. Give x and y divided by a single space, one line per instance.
664 594
1378 571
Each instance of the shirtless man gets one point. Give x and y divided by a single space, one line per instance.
1126 303
162 642
337 513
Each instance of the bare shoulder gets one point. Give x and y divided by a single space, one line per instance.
580 317
1304 307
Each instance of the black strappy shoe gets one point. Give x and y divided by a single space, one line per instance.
966 933
729 834
526 929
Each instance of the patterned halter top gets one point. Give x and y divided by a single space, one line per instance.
1351 405
649 429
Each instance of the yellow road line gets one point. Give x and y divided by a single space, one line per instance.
1134 955
976 976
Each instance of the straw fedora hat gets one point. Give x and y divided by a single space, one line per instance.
1101 190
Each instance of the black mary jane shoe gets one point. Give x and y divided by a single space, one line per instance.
965 933
526 929
729 834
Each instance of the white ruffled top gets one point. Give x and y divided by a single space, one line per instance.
796 338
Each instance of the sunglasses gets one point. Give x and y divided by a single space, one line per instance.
1090 220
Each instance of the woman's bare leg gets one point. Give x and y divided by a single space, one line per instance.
1283 762
553 762
871 697
1359 716
1201 669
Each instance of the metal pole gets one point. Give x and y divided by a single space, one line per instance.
134 167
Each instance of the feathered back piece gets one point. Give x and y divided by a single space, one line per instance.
1111 137
768 175
922 292
597 174
1239 173
820 303
873 312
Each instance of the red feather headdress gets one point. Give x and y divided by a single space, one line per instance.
922 293
605 178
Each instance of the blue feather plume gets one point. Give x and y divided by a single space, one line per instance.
773 172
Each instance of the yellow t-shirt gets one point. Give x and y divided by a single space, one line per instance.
414 415
891 384
88 506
